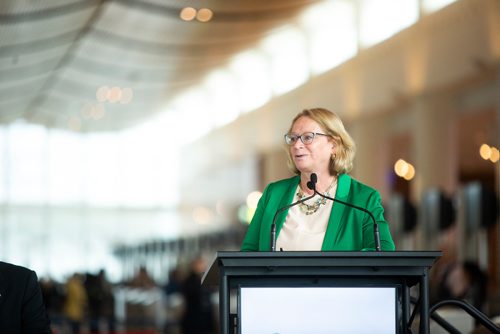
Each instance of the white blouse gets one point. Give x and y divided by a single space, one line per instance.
301 232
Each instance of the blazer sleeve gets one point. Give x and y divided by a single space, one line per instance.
374 205
252 237
34 317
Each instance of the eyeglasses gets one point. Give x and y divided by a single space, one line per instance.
306 138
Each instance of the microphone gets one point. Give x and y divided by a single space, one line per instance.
273 225
376 234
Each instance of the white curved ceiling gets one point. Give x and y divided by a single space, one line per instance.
55 54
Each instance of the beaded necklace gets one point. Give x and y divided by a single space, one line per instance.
309 209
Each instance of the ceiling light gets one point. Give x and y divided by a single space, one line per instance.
114 94
97 111
401 167
410 173
204 15
494 156
102 93
485 151
188 13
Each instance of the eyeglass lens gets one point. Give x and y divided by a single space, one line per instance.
306 138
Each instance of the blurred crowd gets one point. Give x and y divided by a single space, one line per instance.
90 303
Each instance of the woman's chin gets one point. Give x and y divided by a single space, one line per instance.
303 169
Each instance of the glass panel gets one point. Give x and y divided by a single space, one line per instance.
286 50
252 71
27 163
221 85
430 6
381 19
100 165
331 34
65 167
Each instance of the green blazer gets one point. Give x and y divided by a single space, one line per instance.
348 229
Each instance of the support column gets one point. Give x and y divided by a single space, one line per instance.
435 145
435 149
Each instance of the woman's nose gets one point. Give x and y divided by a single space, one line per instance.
298 143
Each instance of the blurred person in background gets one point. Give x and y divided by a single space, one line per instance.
107 310
141 312
173 301
101 302
53 297
75 304
21 303
198 317
143 280
318 143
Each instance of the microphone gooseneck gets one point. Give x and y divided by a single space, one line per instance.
376 234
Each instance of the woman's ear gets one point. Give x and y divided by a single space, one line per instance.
334 145
334 150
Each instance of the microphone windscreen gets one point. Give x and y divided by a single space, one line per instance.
314 178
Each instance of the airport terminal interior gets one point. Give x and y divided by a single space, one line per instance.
137 136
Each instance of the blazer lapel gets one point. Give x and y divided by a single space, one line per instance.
337 222
286 199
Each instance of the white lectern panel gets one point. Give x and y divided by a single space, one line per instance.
319 310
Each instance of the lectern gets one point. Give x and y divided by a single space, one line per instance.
317 275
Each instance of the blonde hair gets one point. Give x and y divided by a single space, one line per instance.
332 125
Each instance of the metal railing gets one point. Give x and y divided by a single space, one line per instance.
467 307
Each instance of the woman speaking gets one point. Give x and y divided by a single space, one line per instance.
318 144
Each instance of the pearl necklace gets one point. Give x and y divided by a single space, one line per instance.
309 209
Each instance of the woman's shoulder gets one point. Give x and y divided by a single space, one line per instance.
356 186
284 183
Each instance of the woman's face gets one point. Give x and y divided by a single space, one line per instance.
314 157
